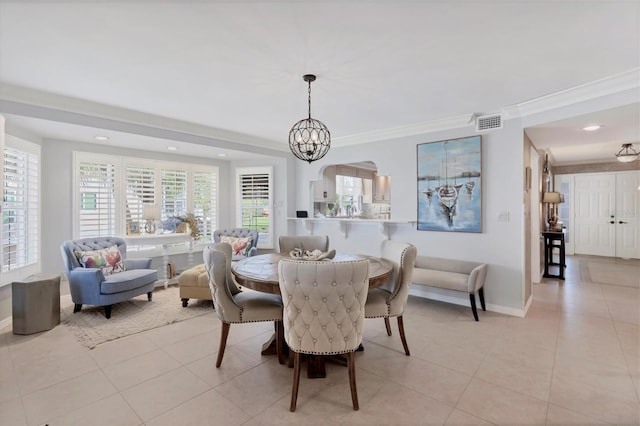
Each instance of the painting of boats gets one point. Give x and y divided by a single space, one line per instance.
449 185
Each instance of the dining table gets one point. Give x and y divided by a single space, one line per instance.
260 273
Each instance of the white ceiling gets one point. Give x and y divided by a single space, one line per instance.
236 67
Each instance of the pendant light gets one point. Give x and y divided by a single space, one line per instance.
627 154
309 139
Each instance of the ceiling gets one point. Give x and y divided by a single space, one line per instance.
234 70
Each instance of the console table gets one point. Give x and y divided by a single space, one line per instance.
163 240
553 239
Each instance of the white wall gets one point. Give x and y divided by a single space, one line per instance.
500 244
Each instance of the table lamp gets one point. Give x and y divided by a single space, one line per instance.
552 199
150 213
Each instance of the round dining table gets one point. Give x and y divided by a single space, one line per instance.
260 273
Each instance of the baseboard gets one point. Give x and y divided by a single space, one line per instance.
422 291
6 322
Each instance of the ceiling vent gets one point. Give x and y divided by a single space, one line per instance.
488 122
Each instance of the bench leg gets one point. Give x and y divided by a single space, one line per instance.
481 295
472 299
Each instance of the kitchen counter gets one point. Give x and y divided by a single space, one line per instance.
344 223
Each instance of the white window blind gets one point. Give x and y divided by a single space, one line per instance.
97 199
112 193
141 187
174 193
255 203
20 224
205 189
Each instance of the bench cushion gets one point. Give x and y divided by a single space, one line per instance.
441 279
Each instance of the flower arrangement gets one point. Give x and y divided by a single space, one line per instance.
191 222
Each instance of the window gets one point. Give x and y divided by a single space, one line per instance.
20 215
103 207
254 204
97 182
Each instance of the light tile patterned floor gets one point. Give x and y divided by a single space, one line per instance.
575 359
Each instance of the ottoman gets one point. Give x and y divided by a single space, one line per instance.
194 284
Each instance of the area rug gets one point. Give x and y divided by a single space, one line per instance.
91 328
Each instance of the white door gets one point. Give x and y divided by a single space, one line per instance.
626 215
594 224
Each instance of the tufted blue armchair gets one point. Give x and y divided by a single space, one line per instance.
93 287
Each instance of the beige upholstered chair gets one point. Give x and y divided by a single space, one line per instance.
390 299
323 311
233 306
305 242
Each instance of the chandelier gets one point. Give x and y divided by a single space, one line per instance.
629 153
309 139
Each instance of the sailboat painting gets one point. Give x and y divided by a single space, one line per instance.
450 185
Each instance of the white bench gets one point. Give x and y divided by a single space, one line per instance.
450 274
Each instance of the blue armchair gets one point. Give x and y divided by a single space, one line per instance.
92 286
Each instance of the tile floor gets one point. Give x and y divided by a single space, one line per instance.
574 360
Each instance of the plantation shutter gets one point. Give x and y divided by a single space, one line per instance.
205 193
174 193
141 186
20 225
97 199
255 202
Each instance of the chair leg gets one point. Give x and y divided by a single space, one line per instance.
185 302
387 324
402 335
481 295
149 296
280 342
351 365
223 342
107 311
472 299
296 381
77 307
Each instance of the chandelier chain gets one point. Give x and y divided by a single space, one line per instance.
309 99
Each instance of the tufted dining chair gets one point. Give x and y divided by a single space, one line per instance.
238 307
286 243
390 299
244 241
323 312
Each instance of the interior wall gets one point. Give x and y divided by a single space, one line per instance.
500 244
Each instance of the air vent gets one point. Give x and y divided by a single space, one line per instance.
488 122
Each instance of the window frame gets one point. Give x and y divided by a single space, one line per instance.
122 163
263 243
32 264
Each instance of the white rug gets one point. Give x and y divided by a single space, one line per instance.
91 327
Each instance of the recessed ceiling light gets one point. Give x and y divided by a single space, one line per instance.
222 155
101 138
172 148
591 128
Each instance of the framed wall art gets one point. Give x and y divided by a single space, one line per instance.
450 185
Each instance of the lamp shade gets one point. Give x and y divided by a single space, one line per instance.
552 197
150 212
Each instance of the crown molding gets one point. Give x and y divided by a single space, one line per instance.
447 123
607 86
13 95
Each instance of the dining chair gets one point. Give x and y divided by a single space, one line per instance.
390 299
323 312
286 243
238 307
